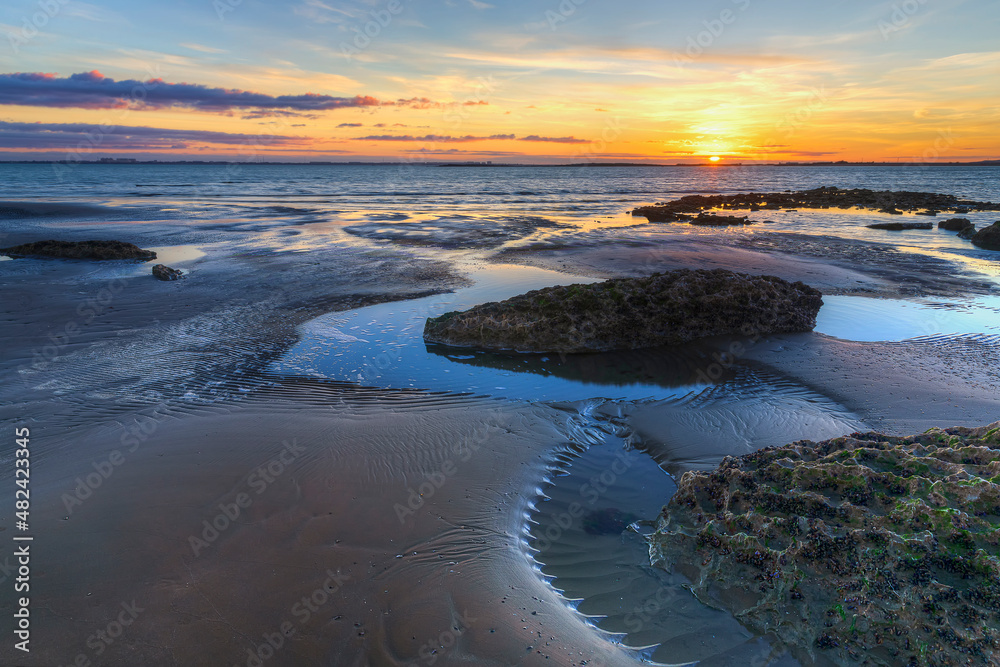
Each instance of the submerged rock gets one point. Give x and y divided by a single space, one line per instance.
988 237
164 272
901 226
711 220
869 547
967 233
954 224
632 313
97 250
609 521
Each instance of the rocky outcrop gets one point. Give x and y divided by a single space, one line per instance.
901 226
95 250
954 224
164 272
871 547
819 198
633 313
988 237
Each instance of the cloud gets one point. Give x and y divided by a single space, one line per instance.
555 140
201 48
351 125
69 136
435 138
93 90
457 151
277 113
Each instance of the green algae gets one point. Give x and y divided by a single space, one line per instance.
633 313
868 549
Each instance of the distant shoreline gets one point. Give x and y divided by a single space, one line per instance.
120 162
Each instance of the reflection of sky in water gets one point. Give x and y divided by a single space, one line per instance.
581 536
383 346
865 319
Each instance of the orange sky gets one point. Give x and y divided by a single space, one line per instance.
520 82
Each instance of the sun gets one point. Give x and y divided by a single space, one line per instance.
714 158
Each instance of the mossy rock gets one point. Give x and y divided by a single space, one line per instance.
867 549
989 237
632 313
94 250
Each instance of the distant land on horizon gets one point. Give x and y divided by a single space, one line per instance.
425 163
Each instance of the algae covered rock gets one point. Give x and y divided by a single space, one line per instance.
712 220
885 201
901 226
97 250
632 313
989 237
164 272
955 224
967 233
867 549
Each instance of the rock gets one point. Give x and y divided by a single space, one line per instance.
97 250
954 224
711 220
989 237
819 198
859 545
901 226
967 233
163 272
633 313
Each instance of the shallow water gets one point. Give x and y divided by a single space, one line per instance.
588 537
864 319
669 405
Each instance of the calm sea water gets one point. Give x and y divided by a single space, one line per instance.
558 191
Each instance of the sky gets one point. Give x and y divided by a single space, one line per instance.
528 81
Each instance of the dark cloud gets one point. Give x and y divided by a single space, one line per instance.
93 90
555 140
434 138
351 125
277 113
72 136
458 151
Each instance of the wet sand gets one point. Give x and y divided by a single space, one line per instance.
832 265
174 377
321 480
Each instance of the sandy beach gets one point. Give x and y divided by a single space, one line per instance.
195 504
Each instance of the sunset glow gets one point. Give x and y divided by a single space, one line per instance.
510 82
